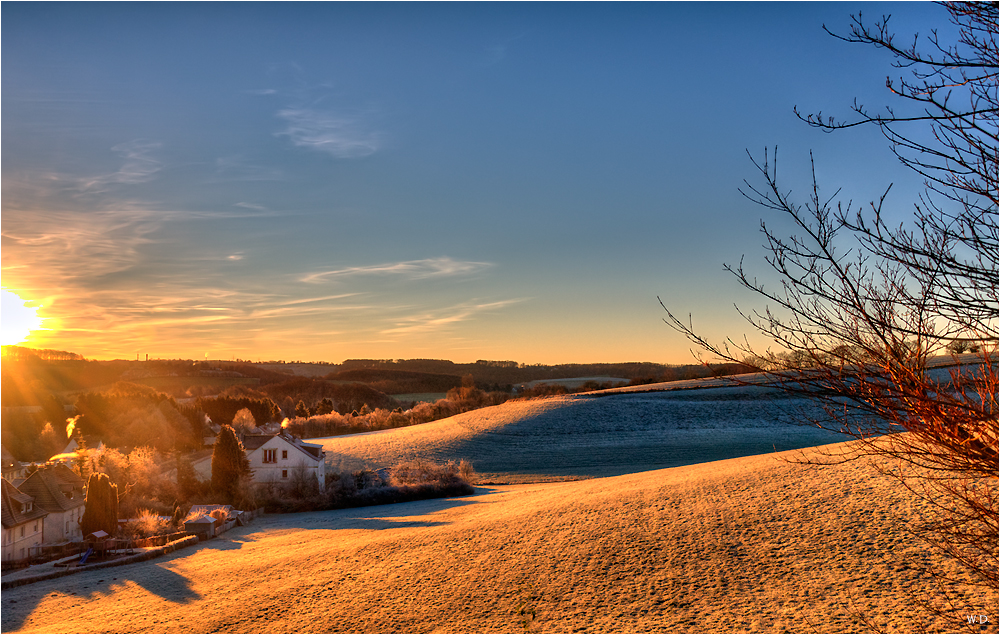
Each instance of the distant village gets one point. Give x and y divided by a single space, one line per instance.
43 505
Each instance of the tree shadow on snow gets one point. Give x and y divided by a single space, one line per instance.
389 516
221 544
21 602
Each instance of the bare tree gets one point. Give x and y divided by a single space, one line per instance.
867 315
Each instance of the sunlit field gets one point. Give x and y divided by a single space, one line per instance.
749 544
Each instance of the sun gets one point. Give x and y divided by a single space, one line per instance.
17 321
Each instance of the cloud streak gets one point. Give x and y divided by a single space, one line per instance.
446 317
412 269
139 167
340 136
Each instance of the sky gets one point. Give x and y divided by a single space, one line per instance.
327 181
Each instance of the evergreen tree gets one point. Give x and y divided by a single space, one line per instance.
101 510
187 480
301 410
229 464
325 406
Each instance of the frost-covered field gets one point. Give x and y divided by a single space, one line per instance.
578 436
751 544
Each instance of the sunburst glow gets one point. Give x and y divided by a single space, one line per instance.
17 320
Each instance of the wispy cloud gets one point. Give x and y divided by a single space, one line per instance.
246 205
413 269
237 168
69 245
139 166
444 318
342 136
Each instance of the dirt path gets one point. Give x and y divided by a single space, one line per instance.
750 544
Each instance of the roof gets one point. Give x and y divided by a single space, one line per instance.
92 443
54 491
9 462
255 441
12 499
67 476
200 520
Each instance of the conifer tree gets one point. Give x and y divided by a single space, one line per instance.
101 510
229 464
301 410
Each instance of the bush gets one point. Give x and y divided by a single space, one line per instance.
148 523
409 481
420 472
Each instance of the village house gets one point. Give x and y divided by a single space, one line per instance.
12 468
23 524
278 458
59 491
77 450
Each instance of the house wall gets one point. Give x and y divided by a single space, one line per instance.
18 539
64 526
287 459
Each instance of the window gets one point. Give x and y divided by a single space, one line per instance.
35 528
22 533
284 454
284 473
67 526
270 456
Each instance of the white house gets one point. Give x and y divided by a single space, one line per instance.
23 524
278 458
12 468
59 491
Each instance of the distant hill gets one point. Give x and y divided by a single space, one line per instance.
394 382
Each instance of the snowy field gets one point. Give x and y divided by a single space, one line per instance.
752 544
703 543
581 436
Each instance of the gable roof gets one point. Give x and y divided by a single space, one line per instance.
66 476
50 492
253 442
11 513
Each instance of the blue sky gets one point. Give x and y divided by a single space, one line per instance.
324 181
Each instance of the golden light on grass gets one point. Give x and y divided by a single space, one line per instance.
17 320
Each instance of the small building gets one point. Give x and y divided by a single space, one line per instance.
276 458
59 491
281 457
12 468
201 525
77 442
23 524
